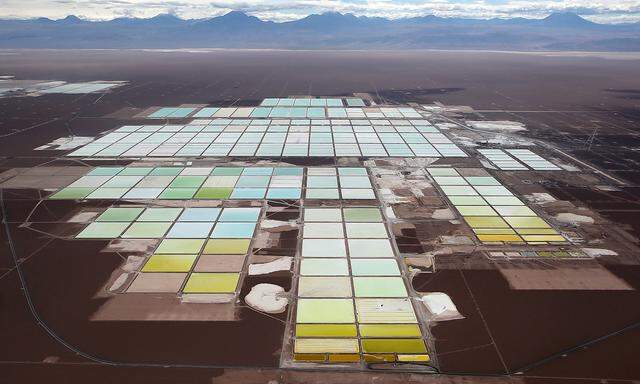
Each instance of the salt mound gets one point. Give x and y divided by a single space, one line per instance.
441 306
501 125
267 298
572 218
595 252
281 264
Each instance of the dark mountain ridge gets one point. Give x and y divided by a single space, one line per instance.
330 30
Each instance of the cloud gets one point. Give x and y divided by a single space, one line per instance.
281 10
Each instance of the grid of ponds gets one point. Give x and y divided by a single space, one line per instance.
275 138
532 160
494 213
507 161
220 183
303 102
200 250
353 304
502 160
352 110
78 88
171 112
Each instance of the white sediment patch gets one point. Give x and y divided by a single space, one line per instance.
438 107
448 250
417 192
498 125
540 198
607 188
456 240
267 298
401 181
572 218
133 263
503 140
281 264
83 217
387 195
419 261
277 225
465 142
441 306
390 213
487 164
131 245
66 143
595 252
443 214
119 282
567 167
420 161
470 138
446 126
433 108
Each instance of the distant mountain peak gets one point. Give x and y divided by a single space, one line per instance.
235 19
337 14
71 19
165 16
334 15
566 19
236 15
333 20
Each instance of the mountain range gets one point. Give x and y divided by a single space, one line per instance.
332 30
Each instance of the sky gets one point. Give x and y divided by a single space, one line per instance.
602 11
